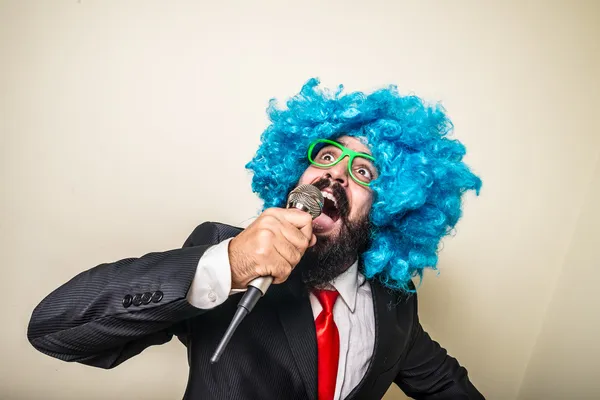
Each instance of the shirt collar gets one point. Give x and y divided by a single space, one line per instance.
347 284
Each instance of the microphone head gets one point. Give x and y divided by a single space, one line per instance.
307 198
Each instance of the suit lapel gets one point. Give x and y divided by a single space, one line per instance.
390 335
295 314
296 317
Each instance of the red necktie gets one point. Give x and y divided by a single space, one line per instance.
328 344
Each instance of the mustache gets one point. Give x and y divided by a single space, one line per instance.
339 193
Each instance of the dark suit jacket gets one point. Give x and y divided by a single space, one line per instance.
273 354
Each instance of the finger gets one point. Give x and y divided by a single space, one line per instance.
288 251
283 230
313 241
280 269
278 224
280 255
300 219
293 235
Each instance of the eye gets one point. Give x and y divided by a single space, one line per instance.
365 172
327 157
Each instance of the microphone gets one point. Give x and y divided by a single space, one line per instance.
306 198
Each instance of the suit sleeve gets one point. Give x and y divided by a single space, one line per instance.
96 319
429 373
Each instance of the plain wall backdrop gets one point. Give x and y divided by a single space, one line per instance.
124 124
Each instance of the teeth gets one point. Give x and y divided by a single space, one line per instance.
329 196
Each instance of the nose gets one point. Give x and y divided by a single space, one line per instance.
339 172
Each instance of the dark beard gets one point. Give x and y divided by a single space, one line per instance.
331 256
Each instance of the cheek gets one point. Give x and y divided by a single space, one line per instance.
361 204
310 175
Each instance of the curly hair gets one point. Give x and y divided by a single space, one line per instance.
417 195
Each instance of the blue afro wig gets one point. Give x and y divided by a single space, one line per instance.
417 196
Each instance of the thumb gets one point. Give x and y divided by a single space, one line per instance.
313 241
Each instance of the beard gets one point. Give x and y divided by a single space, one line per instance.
332 255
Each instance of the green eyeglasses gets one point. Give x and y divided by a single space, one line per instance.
326 153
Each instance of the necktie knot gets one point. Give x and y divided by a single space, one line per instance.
327 299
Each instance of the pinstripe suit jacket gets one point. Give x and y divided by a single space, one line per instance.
114 311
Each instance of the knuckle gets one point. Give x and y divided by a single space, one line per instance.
265 235
265 216
263 251
267 220
272 212
264 246
270 221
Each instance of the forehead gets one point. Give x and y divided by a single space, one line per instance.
353 144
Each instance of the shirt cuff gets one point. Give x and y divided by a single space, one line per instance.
212 283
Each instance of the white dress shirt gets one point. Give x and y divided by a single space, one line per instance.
352 312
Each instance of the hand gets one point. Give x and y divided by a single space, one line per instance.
271 246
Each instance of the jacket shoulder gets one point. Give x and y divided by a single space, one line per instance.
401 301
211 233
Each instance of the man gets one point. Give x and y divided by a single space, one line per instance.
341 320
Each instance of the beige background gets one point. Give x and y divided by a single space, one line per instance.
124 124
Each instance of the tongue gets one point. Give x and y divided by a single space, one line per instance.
323 223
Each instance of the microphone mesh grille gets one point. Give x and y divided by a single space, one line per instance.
309 196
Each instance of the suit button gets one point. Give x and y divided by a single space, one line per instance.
127 300
157 296
137 300
146 297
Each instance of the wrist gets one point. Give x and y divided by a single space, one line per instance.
234 262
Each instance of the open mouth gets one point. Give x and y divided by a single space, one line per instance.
330 207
